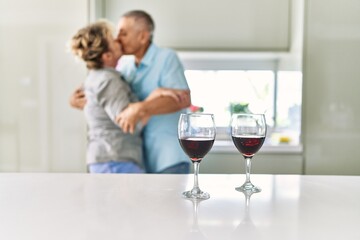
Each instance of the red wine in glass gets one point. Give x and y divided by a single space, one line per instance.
248 132
196 134
248 145
196 148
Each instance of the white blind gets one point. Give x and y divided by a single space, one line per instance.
250 25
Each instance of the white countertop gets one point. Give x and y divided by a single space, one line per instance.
105 207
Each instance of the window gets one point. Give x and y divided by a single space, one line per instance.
275 93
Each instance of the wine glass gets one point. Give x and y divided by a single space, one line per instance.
196 132
248 132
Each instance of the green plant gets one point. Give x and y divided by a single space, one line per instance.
239 108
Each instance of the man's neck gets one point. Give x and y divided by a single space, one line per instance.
140 54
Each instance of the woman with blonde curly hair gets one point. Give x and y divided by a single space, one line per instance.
109 149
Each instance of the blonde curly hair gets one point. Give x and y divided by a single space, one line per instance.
90 42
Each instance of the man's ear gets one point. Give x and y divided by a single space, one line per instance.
144 37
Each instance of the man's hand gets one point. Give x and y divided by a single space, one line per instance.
130 116
77 99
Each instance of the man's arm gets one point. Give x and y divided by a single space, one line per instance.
181 97
170 101
77 98
172 77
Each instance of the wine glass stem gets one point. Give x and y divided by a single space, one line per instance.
248 168
196 173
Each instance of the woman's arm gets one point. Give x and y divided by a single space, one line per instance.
161 101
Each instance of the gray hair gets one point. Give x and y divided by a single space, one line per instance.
143 17
90 42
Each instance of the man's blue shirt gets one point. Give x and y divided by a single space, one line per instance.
160 67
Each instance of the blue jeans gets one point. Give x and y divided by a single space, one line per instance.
115 167
180 168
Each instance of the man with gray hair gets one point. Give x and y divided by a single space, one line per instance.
146 68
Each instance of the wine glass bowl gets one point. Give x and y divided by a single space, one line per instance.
196 133
248 132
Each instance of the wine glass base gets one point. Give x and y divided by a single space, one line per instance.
199 195
248 187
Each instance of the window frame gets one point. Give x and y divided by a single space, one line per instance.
211 61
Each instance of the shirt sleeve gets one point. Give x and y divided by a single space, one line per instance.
173 73
113 96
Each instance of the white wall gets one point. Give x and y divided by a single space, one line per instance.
262 163
331 109
38 129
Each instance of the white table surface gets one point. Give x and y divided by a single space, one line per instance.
83 206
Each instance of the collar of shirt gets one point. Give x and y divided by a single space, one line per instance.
149 55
